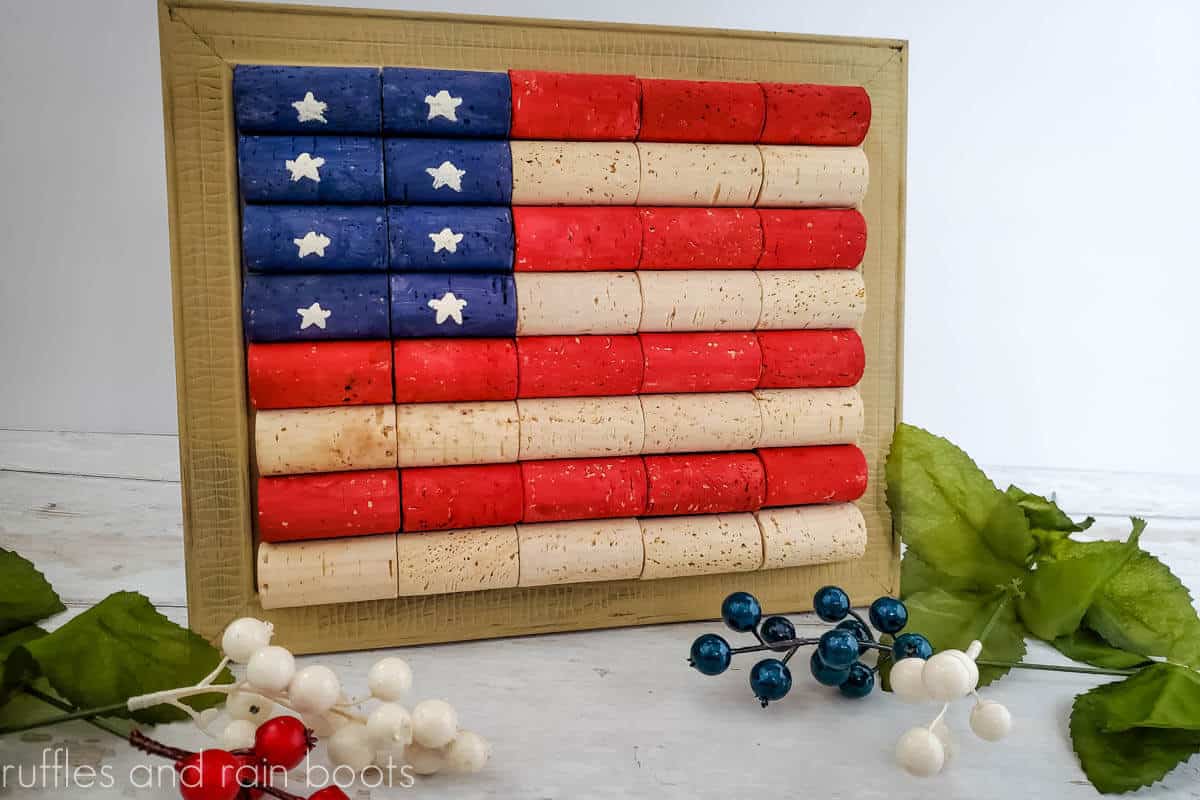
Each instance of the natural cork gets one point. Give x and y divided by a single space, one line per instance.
331 439
466 560
701 545
327 571
801 535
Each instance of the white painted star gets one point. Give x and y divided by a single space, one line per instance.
448 307
313 315
446 174
446 239
443 105
312 242
310 109
305 166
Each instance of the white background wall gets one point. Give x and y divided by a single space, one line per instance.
1052 272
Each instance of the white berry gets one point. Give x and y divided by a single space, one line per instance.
390 725
907 682
469 752
920 753
390 679
946 677
244 637
249 706
425 760
435 723
990 720
238 734
972 668
270 669
324 725
949 743
314 689
349 746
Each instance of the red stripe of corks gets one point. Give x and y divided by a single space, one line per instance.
445 498
561 105
586 238
457 370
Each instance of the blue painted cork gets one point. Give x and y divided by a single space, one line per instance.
451 238
429 304
307 100
287 308
314 238
310 169
446 102
448 171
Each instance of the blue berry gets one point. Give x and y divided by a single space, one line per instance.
859 682
770 679
741 611
911 645
777 629
860 632
831 603
888 615
824 673
710 654
838 648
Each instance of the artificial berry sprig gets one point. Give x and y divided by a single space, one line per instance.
836 659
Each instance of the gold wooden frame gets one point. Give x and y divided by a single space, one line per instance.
200 42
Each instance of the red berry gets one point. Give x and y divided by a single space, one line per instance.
209 775
282 742
328 793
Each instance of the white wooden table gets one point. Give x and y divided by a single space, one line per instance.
582 715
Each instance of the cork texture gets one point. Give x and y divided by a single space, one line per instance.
699 300
699 174
574 173
556 553
805 535
325 439
467 560
201 41
800 177
823 298
704 545
571 427
442 434
552 303
358 569
700 423
811 416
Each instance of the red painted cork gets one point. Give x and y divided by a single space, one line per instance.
812 238
583 488
308 374
579 366
700 238
704 483
442 498
449 370
700 362
701 111
823 474
328 504
564 105
806 113
574 238
810 359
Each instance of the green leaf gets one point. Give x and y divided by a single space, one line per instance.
917 576
1059 592
1045 514
120 648
1118 754
1145 609
25 594
1086 645
955 619
948 511
16 667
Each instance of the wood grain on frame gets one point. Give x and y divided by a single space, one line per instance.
201 41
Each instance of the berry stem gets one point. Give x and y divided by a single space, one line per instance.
140 741
988 662
86 714
51 700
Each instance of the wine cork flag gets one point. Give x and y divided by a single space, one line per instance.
524 329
